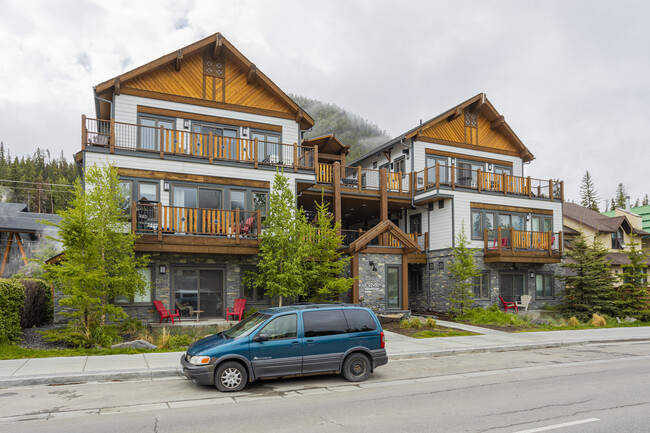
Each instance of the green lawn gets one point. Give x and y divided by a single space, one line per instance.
435 334
17 352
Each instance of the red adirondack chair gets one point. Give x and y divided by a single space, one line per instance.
237 310
507 305
165 313
247 227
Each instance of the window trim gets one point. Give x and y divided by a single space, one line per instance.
482 274
552 288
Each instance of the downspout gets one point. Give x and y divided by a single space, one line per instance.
105 100
453 223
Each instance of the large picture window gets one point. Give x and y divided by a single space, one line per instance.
544 286
486 219
482 286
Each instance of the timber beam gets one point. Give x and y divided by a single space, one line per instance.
456 114
251 73
179 60
218 43
496 123
117 86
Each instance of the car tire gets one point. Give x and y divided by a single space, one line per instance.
230 376
356 367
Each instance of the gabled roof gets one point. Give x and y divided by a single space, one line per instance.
478 103
327 144
218 44
643 211
387 226
15 218
596 220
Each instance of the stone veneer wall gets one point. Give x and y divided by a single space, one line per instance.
441 282
232 265
372 284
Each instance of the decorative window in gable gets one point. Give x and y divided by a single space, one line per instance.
214 67
471 127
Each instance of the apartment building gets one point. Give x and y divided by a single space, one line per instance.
197 136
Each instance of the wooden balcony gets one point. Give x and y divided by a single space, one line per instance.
510 245
193 230
140 139
363 180
481 181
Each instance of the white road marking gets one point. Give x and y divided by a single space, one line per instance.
556 426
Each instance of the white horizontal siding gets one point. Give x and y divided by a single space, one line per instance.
126 111
440 232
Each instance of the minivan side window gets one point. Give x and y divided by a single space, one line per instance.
359 320
326 322
281 327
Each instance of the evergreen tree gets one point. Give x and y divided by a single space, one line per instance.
621 195
588 194
632 294
589 284
324 266
612 205
99 262
284 245
463 270
645 201
637 203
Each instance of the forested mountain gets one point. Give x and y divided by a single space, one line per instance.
42 182
360 134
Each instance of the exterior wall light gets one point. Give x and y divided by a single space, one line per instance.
532 275
165 186
186 123
162 269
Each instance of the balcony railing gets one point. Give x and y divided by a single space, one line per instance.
510 240
162 141
453 177
147 218
364 179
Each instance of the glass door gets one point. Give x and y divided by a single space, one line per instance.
512 286
185 200
149 137
393 292
200 289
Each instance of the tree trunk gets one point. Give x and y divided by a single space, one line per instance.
280 301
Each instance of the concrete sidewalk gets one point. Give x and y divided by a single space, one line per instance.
66 370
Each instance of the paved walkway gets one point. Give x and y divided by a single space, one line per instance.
22 372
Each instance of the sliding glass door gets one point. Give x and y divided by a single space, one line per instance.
202 289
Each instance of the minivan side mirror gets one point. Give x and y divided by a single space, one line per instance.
261 337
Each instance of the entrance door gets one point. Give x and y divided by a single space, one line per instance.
202 289
512 286
393 287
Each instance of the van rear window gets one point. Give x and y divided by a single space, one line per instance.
326 322
359 320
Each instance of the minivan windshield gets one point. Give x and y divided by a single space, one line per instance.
246 326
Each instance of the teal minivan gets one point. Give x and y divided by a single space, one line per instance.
289 341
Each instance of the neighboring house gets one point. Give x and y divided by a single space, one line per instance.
21 235
613 232
197 136
639 215
465 167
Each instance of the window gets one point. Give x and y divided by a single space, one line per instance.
225 140
268 147
499 169
482 286
125 204
145 297
149 132
431 165
467 173
477 224
441 204
544 286
482 219
260 202
441 266
359 320
617 240
327 322
237 199
541 224
251 292
415 281
400 165
282 327
416 223
374 165
147 191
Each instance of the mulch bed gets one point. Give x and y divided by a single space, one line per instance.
32 339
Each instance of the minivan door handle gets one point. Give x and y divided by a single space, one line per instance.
294 342
309 341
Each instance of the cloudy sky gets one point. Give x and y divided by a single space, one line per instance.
571 77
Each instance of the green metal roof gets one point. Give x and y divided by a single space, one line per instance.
644 211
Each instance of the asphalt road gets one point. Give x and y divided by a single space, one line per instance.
590 388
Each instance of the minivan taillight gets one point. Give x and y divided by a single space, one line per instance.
382 340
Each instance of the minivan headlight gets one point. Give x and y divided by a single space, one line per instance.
200 360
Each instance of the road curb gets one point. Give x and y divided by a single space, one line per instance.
170 372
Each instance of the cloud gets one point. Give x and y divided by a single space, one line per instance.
570 77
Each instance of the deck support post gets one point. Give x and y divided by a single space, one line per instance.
383 201
84 132
159 215
405 281
111 137
354 269
336 196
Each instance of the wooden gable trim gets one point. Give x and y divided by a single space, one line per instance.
220 43
498 207
469 157
469 146
183 177
408 245
205 103
205 118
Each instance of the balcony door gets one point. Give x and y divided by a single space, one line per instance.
225 140
149 137
203 220
268 147
201 289
513 285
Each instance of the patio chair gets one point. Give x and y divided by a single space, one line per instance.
237 310
247 227
508 305
524 300
165 313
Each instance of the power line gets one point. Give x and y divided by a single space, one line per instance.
37 183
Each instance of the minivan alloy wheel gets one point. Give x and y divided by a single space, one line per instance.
230 376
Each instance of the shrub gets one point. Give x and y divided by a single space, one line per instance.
573 321
163 340
492 316
598 320
405 324
180 341
416 323
37 309
12 296
249 312
430 322
131 325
